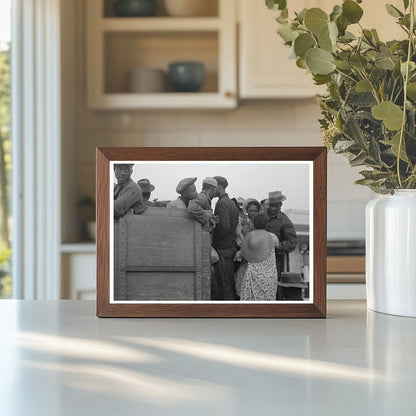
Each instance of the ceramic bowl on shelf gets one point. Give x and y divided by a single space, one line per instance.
135 8
186 76
147 80
191 8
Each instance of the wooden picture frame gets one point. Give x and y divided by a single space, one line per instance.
107 304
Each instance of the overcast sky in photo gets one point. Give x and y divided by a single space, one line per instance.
248 180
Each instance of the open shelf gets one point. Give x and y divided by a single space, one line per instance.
118 45
210 9
160 24
127 51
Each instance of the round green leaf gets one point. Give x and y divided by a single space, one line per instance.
358 61
333 32
344 65
303 43
322 79
391 114
342 25
319 61
393 11
325 42
336 12
301 63
411 90
375 35
395 143
276 4
363 86
301 15
287 33
351 11
403 66
384 62
316 20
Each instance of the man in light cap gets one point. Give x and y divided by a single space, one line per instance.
280 225
187 191
127 194
200 207
224 241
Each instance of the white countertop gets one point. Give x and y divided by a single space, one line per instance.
57 358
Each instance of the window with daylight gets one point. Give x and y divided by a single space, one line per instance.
5 148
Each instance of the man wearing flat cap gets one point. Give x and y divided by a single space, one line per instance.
200 207
224 241
280 225
127 194
187 191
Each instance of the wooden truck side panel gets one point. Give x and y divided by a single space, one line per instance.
161 255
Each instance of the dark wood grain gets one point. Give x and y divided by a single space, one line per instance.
103 231
319 230
317 309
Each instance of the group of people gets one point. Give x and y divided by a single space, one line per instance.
249 238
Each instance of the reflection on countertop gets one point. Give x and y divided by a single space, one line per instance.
355 362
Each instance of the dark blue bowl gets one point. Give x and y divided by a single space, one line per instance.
186 76
135 8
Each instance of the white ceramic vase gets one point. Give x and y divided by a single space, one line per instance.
391 253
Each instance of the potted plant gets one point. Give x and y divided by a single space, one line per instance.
368 116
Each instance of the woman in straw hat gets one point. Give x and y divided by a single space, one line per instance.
260 280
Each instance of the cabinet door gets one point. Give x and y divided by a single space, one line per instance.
78 276
266 71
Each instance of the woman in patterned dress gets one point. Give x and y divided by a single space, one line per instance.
260 280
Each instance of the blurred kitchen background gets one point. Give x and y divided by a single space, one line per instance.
116 90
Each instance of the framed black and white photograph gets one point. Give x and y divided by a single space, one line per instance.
211 232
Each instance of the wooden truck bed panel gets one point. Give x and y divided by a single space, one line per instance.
161 255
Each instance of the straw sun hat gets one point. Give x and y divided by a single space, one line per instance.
257 246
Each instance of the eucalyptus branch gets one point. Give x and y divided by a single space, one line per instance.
406 79
346 75
392 91
404 28
398 95
369 40
373 88
361 59
358 45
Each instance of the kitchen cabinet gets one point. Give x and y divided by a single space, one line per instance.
265 70
346 275
78 263
342 269
118 45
